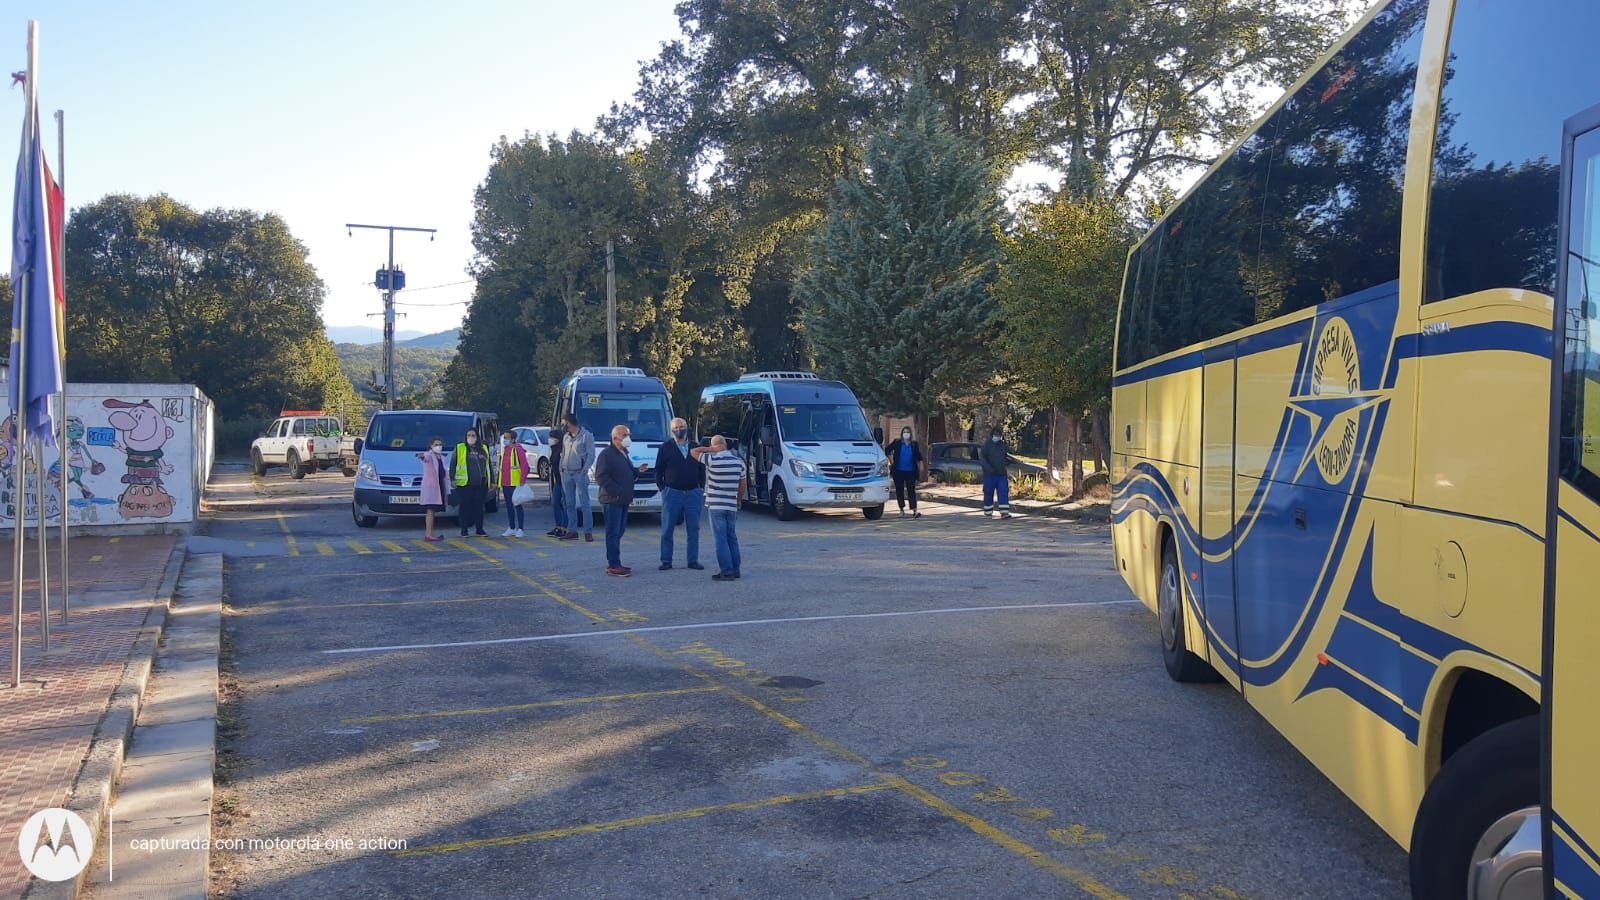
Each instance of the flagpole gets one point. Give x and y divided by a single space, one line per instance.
19 408
39 473
61 442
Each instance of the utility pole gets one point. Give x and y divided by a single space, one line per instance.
388 308
611 304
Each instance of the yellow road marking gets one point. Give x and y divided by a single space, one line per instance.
1080 879
324 549
405 559
94 558
358 547
392 547
459 544
270 609
543 704
249 543
287 535
536 585
261 565
652 819
115 539
541 553
430 546
495 544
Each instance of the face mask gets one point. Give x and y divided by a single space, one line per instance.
995 438
437 447
626 442
680 433
505 442
905 435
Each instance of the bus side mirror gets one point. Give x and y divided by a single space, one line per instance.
769 436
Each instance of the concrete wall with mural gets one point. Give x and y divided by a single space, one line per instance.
136 455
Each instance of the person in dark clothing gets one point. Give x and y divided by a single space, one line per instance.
558 503
470 473
995 457
681 479
614 474
905 467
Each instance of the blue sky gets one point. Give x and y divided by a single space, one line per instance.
325 113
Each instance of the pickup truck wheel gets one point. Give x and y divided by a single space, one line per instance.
297 470
361 521
257 463
349 471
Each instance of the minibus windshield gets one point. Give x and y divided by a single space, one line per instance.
823 422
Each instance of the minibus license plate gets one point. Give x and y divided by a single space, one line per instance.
847 495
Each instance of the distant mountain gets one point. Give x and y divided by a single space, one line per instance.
365 334
445 340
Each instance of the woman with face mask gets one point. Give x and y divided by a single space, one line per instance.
472 476
434 479
514 473
905 467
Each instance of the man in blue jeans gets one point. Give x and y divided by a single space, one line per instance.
614 474
725 485
679 477
577 455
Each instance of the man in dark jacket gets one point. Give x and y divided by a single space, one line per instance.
995 457
613 473
681 479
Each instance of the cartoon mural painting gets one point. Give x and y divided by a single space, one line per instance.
141 433
9 492
8 453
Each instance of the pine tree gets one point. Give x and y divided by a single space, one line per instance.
895 296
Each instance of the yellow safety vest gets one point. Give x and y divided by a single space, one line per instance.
461 466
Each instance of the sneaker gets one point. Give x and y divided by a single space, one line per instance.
519 532
569 536
1005 515
736 576
589 536
902 514
481 533
463 532
663 567
554 532
916 515
697 567
509 532
619 571
988 514
721 577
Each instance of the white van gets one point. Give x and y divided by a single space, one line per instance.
389 475
805 440
604 396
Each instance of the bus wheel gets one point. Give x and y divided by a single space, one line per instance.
1181 664
873 513
780 504
1477 830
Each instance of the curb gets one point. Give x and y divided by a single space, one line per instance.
1099 515
91 791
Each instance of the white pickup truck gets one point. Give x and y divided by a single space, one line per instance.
304 442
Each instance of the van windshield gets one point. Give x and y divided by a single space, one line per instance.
412 430
823 422
646 415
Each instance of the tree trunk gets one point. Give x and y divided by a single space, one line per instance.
1074 427
1100 425
1052 459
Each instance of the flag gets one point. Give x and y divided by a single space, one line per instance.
35 274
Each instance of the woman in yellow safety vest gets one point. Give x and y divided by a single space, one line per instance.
514 472
473 478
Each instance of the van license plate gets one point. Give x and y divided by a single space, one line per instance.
413 500
641 501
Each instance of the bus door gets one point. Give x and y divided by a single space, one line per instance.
1571 813
1217 513
757 455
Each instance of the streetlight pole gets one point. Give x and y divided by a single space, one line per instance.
388 308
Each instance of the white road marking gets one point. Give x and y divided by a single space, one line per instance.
616 631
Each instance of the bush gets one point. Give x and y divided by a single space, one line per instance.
1032 487
957 476
234 437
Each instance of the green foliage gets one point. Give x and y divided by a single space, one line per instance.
896 293
1058 289
223 299
417 370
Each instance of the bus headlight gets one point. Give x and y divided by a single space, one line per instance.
802 468
883 468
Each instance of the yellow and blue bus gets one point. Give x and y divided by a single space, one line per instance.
1356 433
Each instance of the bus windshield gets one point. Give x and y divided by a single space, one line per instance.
823 422
646 415
413 430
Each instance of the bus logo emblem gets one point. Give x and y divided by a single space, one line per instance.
1334 402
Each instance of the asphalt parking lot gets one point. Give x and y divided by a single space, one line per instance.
943 707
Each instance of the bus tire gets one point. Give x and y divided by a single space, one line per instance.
873 513
1493 777
1182 666
296 470
786 511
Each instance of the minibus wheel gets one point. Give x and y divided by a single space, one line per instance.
873 513
1181 664
780 504
1477 829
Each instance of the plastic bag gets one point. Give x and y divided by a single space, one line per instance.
522 495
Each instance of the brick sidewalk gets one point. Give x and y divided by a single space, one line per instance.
47 724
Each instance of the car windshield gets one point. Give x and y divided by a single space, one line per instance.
646 415
412 430
823 422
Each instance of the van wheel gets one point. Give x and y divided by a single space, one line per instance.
780 504
873 513
1479 812
257 463
1181 664
543 469
296 469
362 521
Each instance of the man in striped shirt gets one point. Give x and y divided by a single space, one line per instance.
725 482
